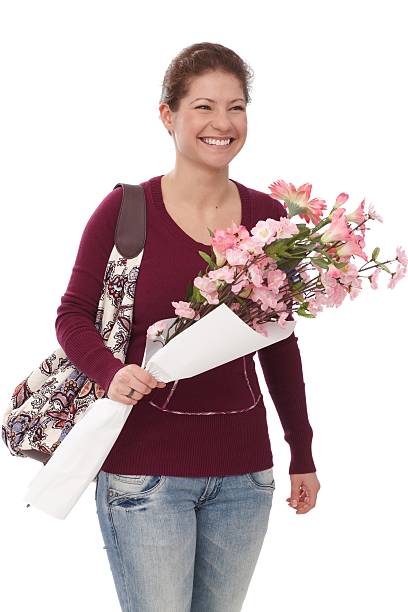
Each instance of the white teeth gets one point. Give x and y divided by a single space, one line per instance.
212 141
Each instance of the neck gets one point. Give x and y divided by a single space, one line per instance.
198 188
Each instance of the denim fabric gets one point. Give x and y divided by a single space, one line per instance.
182 544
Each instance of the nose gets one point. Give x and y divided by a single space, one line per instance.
221 121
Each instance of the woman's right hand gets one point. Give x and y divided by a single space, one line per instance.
129 377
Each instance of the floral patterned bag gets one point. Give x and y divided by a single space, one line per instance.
47 404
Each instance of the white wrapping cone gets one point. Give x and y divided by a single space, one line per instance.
217 338
77 460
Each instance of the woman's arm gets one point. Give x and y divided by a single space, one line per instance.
282 368
75 322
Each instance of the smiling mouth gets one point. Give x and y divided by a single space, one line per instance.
215 146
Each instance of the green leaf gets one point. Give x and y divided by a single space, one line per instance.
197 295
208 259
189 291
384 267
375 253
339 264
320 262
306 314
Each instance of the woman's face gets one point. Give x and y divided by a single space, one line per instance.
221 117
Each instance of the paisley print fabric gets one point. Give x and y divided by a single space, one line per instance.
55 395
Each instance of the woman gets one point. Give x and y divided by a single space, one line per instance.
184 497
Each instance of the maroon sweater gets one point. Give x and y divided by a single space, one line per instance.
213 423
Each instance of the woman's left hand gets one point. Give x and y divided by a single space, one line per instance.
304 490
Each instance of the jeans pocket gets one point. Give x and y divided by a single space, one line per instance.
125 490
262 479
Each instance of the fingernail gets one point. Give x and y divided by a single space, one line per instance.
294 502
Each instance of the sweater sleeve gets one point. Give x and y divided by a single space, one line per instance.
282 368
75 322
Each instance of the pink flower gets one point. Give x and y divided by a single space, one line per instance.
372 214
402 256
397 276
237 257
240 285
341 198
281 320
353 246
316 303
220 242
255 275
338 228
259 327
297 200
208 289
264 296
226 273
183 309
155 330
254 245
275 279
264 231
357 216
373 278
285 229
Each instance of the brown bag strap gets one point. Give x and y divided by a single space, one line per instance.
130 232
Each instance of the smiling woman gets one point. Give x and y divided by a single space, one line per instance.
192 468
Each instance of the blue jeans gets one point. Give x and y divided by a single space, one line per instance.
181 544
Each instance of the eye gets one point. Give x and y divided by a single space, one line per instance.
206 106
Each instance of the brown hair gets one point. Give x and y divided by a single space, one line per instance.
198 59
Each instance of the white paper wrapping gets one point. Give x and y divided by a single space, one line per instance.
217 338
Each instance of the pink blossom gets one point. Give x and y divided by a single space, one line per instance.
183 309
226 273
275 279
239 285
341 198
357 216
372 214
253 245
264 231
333 272
237 257
297 200
240 231
348 278
264 296
402 256
338 228
259 327
156 329
316 303
397 276
281 320
255 274
355 288
373 278
220 242
285 229
353 246
208 289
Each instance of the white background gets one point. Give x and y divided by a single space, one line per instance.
81 86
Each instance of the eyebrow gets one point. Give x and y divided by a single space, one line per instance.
210 100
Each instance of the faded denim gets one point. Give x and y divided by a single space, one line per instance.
182 544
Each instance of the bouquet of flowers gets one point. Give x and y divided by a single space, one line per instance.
255 280
280 267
